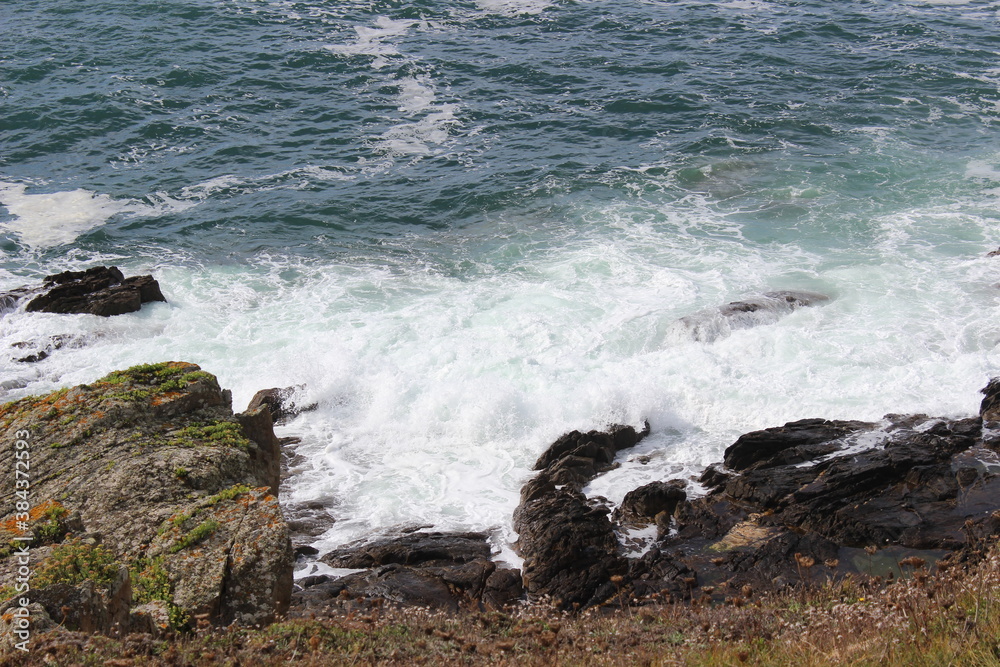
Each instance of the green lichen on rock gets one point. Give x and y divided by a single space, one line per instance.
146 381
228 494
144 373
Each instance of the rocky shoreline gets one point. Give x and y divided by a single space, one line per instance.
154 507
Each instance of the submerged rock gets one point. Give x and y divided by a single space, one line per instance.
148 473
710 325
102 290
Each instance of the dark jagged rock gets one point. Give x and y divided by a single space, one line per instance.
568 544
644 503
569 548
279 402
448 588
418 548
102 290
600 446
989 409
804 501
148 470
800 441
445 571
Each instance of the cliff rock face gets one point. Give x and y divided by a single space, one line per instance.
149 500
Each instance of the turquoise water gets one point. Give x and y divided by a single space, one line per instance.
467 227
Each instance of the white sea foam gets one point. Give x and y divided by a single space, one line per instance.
421 136
514 7
437 391
376 41
49 219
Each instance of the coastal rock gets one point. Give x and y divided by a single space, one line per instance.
792 443
712 324
445 571
599 446
568 543
39 349
102 290
418 548
148 469
445 588
818 499
280 402
642 505
569 548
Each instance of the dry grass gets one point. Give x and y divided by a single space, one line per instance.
949 617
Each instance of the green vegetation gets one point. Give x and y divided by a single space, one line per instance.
197 534
178 520
945 617
227 494
153 379
219 432
75 562
130 395
144 373
52 528
178 383
150 582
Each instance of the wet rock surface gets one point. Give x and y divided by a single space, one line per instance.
567 541
715 323
801 503
102 290
280 402
413 549
444 571
815 499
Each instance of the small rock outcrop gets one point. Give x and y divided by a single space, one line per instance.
149 499
444 571
102 290
280 402
567 541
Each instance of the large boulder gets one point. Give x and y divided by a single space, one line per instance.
151 469
570 550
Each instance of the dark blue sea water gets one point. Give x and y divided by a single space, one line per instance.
467 227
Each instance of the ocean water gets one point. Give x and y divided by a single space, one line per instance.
465 228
